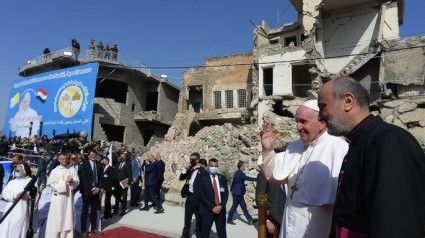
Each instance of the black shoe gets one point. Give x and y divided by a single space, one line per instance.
161 210
106 217
231 223
122 214
252 222
144 208
115 212
96 232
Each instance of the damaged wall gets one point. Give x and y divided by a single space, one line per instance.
220 74
282 71
345 33
231 72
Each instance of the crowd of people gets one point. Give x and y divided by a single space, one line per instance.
107 51
368 184
82 169
103 52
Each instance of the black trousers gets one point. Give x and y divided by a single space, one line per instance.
191 207
107 210
92 202
220 224
134 193
158 189
122 194
117 195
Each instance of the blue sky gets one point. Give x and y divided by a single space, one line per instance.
159 33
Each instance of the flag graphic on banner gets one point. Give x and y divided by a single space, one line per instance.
42 95
14 100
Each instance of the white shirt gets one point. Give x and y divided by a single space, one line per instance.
218 185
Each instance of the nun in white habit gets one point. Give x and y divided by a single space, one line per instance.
17 222
309 167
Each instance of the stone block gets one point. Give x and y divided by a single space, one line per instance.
413 116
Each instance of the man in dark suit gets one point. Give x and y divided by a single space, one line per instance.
41 172
1 177
124 149
151 181
211 188
238 190
190 174
276 197
4 148
90 174
108 184
123 171
161 171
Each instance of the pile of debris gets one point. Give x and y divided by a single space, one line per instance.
227 143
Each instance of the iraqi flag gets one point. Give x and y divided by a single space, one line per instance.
42 95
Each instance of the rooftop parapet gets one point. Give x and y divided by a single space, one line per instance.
86 56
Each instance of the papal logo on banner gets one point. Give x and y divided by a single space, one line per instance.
70 98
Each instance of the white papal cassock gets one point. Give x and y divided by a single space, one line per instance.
16 223
61 218
315 168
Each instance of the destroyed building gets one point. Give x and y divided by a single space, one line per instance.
131 105
359 38
213 94
331 38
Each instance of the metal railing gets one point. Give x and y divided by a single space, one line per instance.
88 56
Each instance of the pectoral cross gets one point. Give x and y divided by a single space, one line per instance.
294 188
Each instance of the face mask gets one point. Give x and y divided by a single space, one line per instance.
17 175
192 162
213 170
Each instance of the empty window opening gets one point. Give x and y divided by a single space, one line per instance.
217 99
147 136
302 38
278 108
113 132
196 107
152 101
112 89
241 98
229 98
274 41
194 128
195 100
301 80
268 81
290 39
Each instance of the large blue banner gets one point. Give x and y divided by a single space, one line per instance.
57 102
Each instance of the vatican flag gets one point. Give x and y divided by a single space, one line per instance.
14 100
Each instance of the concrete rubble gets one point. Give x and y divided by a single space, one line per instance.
229 143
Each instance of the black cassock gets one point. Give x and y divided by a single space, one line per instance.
381 188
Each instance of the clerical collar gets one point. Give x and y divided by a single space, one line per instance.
319 140
360 128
